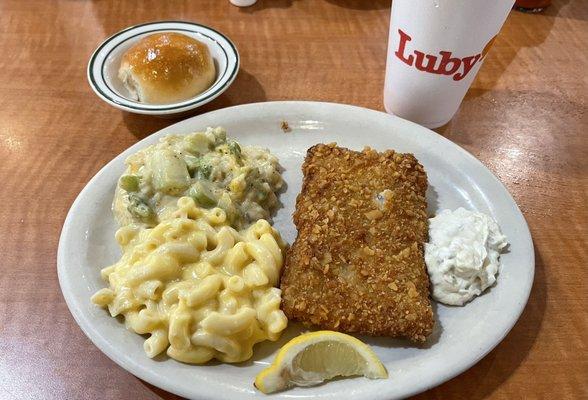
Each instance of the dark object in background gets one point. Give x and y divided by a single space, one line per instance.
532 6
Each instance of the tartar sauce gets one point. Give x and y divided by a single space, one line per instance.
462 255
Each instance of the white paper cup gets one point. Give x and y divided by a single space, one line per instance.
435 49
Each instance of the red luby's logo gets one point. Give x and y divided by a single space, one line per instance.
442 64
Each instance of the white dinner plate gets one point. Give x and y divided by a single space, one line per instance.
463 335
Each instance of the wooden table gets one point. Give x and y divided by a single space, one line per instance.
525 118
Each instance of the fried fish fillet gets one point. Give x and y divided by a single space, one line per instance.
357 265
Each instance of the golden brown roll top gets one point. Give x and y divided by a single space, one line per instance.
167 67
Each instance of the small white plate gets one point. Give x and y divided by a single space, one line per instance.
463 334
105 61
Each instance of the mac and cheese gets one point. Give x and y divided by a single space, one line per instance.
197 286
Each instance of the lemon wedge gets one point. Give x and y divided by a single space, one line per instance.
315 357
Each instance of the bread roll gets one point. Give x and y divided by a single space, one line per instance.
166 68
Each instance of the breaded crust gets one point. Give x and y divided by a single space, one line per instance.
357 264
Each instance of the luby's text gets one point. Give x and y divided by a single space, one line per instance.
441 64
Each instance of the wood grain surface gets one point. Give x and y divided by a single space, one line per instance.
525 118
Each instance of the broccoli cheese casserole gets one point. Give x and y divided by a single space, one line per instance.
205 166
